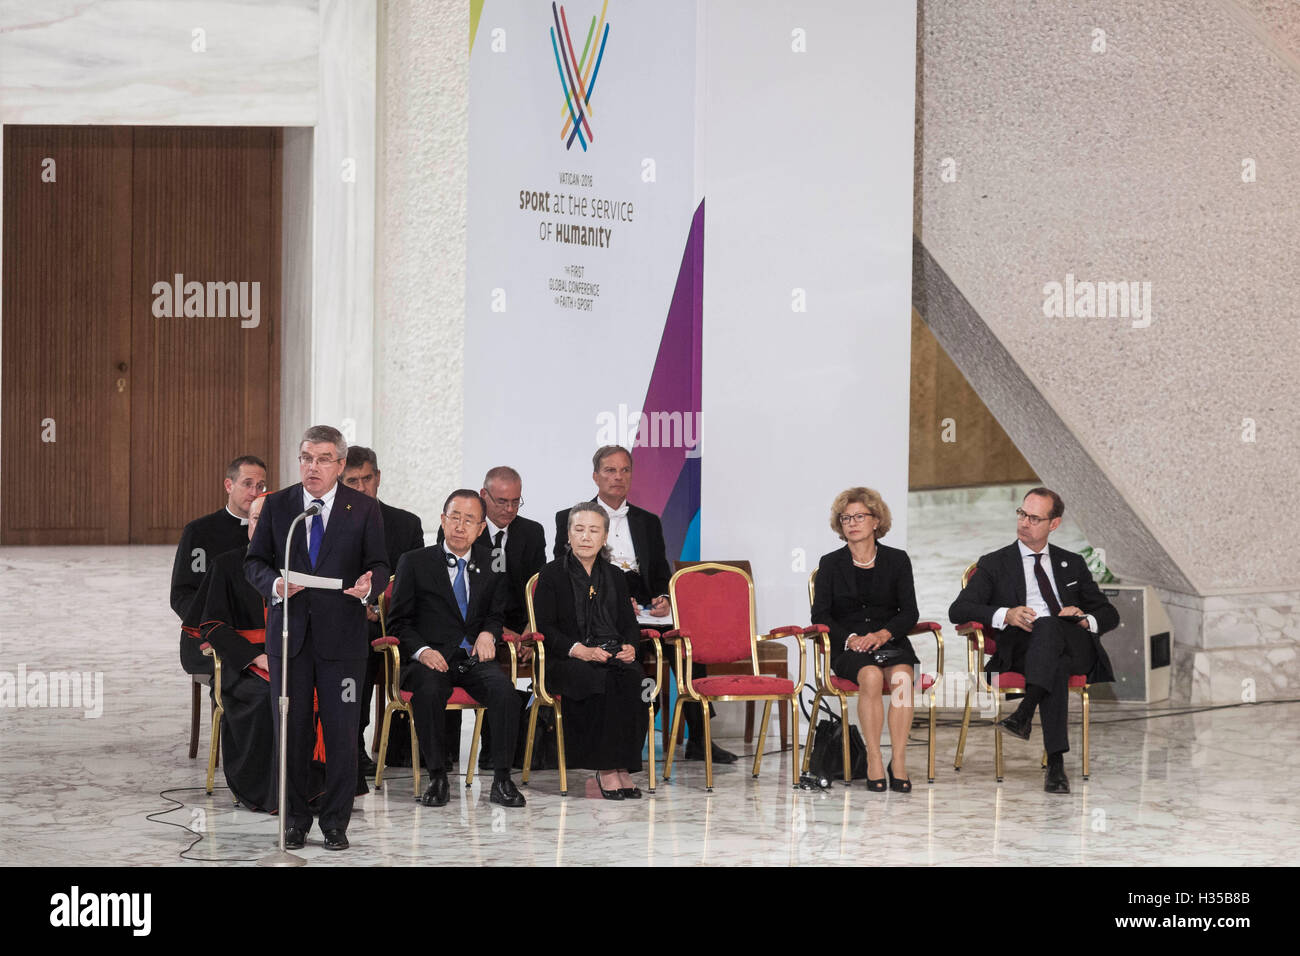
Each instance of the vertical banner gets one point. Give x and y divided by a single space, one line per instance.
585 247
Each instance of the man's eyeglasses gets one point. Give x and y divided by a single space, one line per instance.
308 460
510 504
1034 520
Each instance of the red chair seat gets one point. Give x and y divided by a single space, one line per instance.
742 685
839 683
460 697
1012 680
406 696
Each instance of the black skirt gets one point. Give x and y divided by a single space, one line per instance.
897 650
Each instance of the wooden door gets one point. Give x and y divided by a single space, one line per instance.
65 313
121 407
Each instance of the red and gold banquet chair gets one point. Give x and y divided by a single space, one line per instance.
713 608
829 685
398 699
978 647
542 698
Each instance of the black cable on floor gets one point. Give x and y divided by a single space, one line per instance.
198 837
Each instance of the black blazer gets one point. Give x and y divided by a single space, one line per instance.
892 602
999 581
353 544
402 533
648 545
557 617
424 612
525 556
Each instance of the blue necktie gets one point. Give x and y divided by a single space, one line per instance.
462 599
317 531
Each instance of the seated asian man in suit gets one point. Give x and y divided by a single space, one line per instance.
1047 622
636 541
519 549
402 533
446 615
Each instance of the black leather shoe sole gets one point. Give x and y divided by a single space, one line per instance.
1015 727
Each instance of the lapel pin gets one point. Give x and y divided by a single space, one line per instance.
1063 564
349 508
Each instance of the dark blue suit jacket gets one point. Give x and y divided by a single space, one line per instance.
353 544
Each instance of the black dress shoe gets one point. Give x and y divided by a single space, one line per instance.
367 766
295 838
1016 725
336 839
1057 781
615 794
630 793
898 784
506 793
695 751
438 792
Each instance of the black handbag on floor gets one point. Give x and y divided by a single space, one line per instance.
827 758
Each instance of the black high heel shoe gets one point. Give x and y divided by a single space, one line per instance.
615 794
895 784
876 786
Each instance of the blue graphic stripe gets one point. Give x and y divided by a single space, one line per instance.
599 56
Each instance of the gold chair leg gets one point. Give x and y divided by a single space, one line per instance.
929 764
844 741
762 736
473 746
650 744
708 747
997 736
415 755
672 738
965 726
559 748
1084 694
214 747
528 747
812 728
383 746
794 739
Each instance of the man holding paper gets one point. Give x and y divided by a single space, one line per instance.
340 557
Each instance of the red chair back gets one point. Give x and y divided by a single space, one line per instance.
713 604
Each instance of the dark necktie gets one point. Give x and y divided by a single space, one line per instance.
1045 586
459 589
317 531
498 550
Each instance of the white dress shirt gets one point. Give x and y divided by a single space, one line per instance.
620 537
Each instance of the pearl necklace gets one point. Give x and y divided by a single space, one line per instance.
859 564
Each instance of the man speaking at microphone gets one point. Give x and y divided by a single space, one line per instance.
327 628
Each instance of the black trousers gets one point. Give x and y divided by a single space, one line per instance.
1047 657
337 687
431 689
374 669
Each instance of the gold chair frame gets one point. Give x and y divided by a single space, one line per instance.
217 713
387 646
685 678
973 632
542 698
822 669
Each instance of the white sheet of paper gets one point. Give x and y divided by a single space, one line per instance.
315 581
649 620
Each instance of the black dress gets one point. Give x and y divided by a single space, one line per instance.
605 718
853 600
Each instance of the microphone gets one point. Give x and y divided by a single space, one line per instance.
312 510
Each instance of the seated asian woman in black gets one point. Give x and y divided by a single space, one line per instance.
584 611
866 597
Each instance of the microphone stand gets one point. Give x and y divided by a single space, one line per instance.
282 857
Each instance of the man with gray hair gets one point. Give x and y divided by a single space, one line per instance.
327 628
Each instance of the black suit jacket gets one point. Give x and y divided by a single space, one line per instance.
999 581
402 533
424 612
353 544
892 602
525 555
647 543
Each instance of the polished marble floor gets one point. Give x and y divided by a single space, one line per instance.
1167 786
